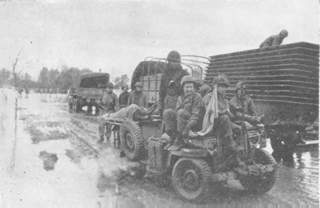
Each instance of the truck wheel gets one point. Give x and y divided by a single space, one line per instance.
191 179
131 140
260 184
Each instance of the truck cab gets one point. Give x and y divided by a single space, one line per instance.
88 93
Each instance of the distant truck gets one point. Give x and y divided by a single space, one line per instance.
284 83
88 93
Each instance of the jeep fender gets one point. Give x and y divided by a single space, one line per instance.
185 152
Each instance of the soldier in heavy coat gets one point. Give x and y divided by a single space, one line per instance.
187 115
137 96
124 96
172 73
110 100
242 106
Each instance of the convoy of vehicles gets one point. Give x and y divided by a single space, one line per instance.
283 81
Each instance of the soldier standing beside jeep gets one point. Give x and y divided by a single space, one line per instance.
124 96
110 100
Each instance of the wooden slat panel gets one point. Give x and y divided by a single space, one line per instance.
314 49
288 73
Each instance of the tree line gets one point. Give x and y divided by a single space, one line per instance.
53 79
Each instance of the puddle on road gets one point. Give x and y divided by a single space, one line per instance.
46 130
49 160
73 155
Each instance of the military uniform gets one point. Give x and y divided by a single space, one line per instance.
170 101
110 102
123 99
204 90
242 106
187 115
172 73
274 40
138 98
223 126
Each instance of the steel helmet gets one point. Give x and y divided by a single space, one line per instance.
222 80
174 57
138 84
284 33
109 85
205 88
241 85
187 79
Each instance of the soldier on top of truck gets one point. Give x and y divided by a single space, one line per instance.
137 96
274 40
172 73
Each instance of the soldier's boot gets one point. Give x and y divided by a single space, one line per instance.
177 144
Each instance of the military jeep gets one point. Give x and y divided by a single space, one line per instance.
88 93
201 162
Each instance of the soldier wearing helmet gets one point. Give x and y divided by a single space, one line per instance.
187 115
242 106
124 96
274 40
110 99
223 126
137 96
204 90
171 74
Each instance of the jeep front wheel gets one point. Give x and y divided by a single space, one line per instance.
191 179
131 140
263 183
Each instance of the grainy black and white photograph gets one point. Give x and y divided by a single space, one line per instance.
159 104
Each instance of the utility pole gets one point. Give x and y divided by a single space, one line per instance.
13 153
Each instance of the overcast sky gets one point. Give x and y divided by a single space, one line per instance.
116 35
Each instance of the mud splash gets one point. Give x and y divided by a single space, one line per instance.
49 160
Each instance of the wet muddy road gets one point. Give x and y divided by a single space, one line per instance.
57 163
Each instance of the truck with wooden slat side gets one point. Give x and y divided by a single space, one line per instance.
284 83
